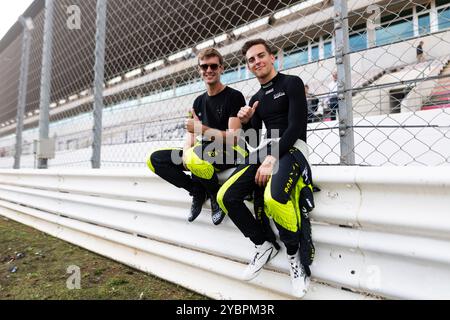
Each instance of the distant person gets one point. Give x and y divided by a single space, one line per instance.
420 52
332 101
313 105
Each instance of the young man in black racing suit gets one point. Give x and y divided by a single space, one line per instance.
281 167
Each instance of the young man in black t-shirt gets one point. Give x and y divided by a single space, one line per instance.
281 168
214 115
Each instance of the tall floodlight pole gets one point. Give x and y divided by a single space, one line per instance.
346 132
27 25
98 82
46 79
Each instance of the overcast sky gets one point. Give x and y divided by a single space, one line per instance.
10 10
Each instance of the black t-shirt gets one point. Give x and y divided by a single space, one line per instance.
215 111
419 50
282 106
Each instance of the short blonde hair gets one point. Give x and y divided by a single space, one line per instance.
210 52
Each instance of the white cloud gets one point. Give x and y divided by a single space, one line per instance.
10 11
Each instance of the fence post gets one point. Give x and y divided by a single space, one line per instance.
98 82
46 77
27 25
346 133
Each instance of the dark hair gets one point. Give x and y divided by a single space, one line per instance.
255 42
209 53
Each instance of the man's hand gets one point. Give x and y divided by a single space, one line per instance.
246 113
191 124
265 171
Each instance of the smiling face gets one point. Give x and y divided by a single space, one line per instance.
260 62
210 70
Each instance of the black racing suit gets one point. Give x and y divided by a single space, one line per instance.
288 196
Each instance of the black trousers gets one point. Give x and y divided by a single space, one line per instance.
160 162
333 107
281 199
202 161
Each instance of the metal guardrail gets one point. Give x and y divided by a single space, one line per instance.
379 232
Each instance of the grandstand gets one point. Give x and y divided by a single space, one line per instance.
148 95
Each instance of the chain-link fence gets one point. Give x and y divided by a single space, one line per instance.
377 71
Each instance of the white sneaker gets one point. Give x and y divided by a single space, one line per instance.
264 253
299 279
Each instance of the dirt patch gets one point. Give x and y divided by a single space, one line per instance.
34 266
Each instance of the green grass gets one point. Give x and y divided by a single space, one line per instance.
42 272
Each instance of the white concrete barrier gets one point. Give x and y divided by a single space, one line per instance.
379 232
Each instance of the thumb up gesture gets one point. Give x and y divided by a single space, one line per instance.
246 113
